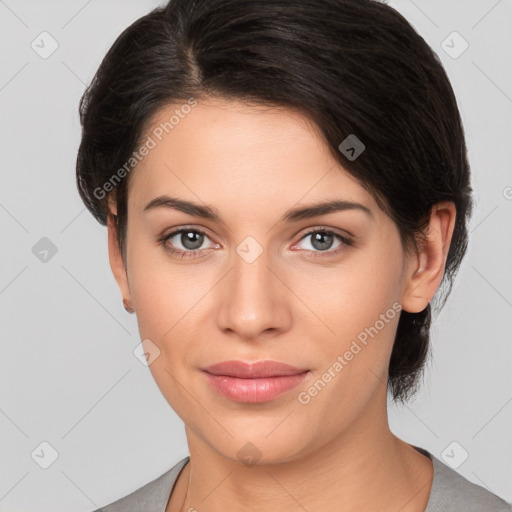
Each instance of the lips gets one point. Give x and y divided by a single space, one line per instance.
253 382
258 369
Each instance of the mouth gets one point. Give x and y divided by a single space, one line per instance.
258 369
253 382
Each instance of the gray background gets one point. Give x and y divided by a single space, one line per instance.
69 376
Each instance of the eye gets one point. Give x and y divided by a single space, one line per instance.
187 240
322 240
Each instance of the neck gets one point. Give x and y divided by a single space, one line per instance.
365 468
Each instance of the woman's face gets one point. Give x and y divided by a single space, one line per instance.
256 286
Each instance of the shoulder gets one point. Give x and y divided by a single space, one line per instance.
451 492
152 496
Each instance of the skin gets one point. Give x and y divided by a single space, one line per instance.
296 303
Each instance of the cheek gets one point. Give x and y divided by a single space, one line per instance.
343 300
356 308
161 290
352 343
164 299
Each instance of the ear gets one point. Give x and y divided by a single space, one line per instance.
116 260
426 266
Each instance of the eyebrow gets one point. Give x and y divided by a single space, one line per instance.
293 215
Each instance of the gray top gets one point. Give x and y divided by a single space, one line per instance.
450 492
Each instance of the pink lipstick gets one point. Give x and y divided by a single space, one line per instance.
253 382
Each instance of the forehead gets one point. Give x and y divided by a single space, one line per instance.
227 152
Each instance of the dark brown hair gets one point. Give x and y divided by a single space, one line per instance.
351 66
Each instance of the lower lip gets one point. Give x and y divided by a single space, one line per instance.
254 390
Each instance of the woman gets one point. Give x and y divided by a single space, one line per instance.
285 187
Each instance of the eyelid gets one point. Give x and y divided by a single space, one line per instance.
346 239
341 232
178 230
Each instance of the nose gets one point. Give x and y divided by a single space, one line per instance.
253 300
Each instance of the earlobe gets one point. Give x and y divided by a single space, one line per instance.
128 306
426 266
116 261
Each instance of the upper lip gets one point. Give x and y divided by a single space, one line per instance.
258 369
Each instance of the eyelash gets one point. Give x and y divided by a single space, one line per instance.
189 254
